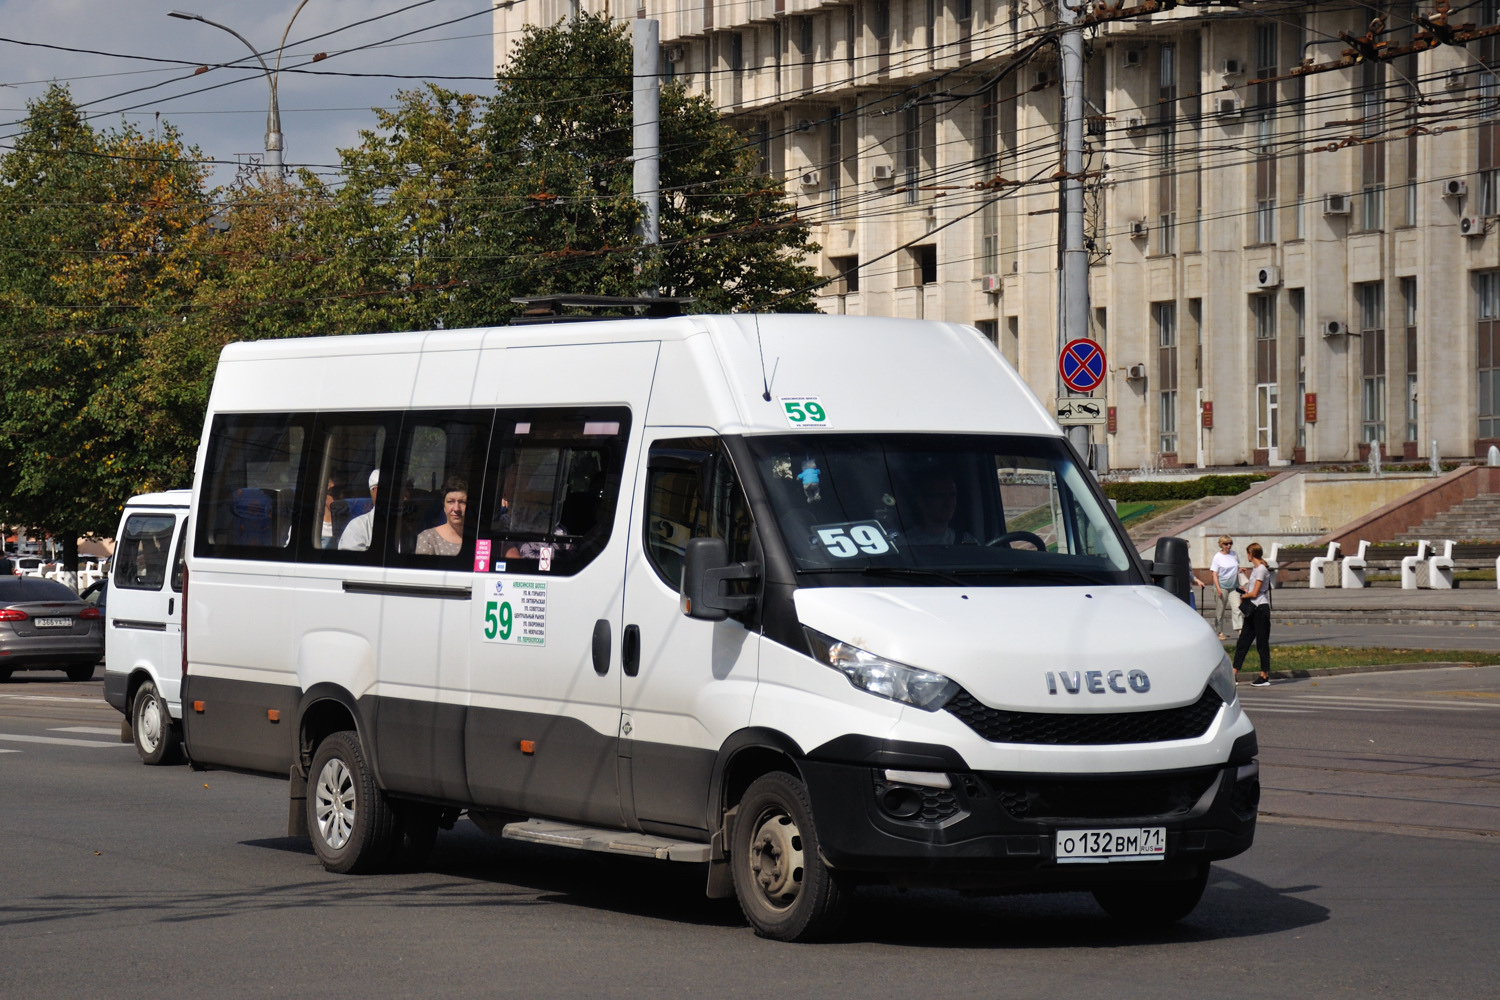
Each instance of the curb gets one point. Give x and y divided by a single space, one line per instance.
1376 668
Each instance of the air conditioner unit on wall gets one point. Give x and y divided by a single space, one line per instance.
1228 107
1455 188
991 284
809 178
1335 204
1135 372
805 124
1139 229
1471 225
1134 123
1334 328
1268 277
1233 67
881 172
674 53
1132 58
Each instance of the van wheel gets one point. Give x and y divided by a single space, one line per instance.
784 889
81 672
1152 904
151 724
351 823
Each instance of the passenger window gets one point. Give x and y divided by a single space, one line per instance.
349 455
440 465
179 562
250 487
554 487
693 493
141 555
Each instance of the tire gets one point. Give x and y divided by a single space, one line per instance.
784 889
1152 904
5 675
81 672
351 823
151 727
414 836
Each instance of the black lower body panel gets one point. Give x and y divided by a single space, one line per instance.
236 728
993 830
116 687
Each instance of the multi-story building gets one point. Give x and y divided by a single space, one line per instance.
1284 267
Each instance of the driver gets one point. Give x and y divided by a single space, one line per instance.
937 502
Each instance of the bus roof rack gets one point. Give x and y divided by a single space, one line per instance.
549 308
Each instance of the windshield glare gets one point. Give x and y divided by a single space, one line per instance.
966 510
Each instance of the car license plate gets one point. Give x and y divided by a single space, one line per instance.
54 623
1135 844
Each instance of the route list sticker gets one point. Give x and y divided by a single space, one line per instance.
515 612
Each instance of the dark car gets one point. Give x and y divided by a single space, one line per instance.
45 626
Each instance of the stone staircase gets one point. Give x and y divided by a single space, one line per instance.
1473 520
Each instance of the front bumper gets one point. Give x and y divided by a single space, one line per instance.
997 830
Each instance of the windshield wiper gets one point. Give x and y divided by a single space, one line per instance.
1057 572
931 574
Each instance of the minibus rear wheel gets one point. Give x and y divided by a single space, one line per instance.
151 726
1152 904
784 889
351 823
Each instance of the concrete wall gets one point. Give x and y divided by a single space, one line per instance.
1433 498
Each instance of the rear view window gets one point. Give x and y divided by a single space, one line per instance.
16 590
141 552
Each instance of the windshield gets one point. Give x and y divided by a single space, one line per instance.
949 510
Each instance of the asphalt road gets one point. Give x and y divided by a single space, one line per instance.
1376 871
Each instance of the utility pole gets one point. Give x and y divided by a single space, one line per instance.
646 116
1073 258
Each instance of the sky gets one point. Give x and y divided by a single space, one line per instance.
319 113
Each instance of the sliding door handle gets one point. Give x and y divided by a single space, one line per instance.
602 643
630 650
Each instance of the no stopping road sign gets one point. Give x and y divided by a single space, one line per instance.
1081 365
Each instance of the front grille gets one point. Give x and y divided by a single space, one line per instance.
1155 797
1079 729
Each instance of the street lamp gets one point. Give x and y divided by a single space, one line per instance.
273 114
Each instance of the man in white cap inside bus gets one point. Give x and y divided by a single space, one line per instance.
356 536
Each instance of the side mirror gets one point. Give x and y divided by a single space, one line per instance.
705 568
1171 570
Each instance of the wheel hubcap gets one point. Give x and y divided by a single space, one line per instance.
335 804
148 725
776 859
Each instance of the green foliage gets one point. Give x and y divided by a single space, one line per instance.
1183 489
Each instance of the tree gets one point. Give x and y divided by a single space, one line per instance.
101 231
556 210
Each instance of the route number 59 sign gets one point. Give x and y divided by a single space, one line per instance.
804 412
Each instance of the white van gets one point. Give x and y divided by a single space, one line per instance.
819 600
143 623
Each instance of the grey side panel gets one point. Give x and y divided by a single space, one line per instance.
671 784
233 729
570 776
420 747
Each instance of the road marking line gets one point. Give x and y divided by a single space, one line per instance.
91 702
1442 706
1261 706
1279 711
57 741
94 730
2 750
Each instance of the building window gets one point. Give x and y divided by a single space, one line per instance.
1371 298
988 169
847 282
1489 140
833 170
1164 319
1488 355
1267 389
926 260
912 153
1265 134
991 330
1297 300
1409 299
1372 153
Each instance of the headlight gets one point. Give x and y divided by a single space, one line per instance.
881 677
1222 680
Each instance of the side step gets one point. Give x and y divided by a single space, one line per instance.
589 838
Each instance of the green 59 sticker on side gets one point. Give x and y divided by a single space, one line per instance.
515 612
805 412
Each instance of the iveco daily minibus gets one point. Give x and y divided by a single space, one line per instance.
821 601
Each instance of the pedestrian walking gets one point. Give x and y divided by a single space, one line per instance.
1225 568
1256 605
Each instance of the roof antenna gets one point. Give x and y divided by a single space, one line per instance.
766 382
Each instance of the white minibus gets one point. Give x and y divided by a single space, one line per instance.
819 601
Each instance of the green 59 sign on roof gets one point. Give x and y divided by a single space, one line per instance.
804 412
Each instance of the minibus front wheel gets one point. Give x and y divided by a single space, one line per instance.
351 823
785 890
1153 903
